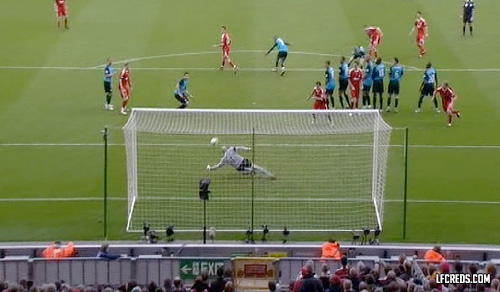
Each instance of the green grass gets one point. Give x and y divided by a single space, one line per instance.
65 106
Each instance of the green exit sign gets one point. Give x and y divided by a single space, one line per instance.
190 268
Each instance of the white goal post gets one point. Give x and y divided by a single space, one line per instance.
329 169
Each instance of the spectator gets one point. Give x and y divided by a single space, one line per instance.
434 255
204 278
309 282
347 286
354 277
104 254
178 285
152 287
335 284
271 285
57 251
343 272
198 285
218 284
167 285
325 276
459 267
229 287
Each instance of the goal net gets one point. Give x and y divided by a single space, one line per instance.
323 170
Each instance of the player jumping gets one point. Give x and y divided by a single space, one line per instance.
355 76
468 15
367 82
422 34
124 85
225 44
238 162
375 34
282 54
427 87
329 83
448 97
357 55
181 93
395 74
343 82
108 87
62 13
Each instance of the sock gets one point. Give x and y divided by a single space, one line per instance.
374 101
470 29
450 118
223 63
435 103
341 101
66 22
108 98
381 99
347 99
277 62
232 64
332 100
420 101
396 101
389 101
464 30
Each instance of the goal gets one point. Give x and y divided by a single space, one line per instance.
330 169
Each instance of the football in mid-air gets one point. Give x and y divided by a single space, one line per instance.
214 141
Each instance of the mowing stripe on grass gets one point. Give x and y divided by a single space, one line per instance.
96 199
264 145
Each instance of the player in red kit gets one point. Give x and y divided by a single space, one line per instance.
355 77
448 97
320 101
125 85
225 44
421 26
375 34
62 13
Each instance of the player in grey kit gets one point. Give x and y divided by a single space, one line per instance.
238 162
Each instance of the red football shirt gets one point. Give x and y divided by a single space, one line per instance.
355 76
420 24
61 3
446 94
124 77
319 94
225 41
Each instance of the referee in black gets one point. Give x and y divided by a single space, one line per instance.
468 16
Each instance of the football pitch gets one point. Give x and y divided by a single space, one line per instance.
51 105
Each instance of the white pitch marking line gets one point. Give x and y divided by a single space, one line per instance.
82 199
73 68
270 145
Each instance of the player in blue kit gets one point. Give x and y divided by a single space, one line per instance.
282 54
181 93
378 76
108 88
367 82
395 74
343 82
330 83
428 87
468 16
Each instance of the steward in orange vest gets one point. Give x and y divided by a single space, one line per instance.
331 250
56 251
434 255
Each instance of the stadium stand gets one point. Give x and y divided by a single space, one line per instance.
391 267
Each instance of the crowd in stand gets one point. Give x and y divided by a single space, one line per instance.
404 276
222 283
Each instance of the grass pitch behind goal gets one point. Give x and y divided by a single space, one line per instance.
330 175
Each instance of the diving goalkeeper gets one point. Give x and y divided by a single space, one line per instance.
238 162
